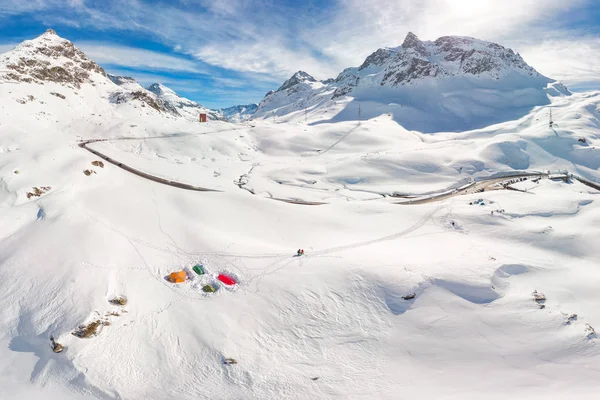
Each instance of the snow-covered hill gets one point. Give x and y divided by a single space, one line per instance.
451 84
187 108
238 113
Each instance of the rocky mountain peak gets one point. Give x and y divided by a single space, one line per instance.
184 107
49 58
120 80
419 75
297 78
160 89
378 58
125 82
412 42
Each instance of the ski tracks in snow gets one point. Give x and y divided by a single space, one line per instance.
339 140
393 236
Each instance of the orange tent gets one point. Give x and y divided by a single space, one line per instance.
177 277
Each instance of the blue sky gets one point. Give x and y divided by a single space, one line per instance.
222 53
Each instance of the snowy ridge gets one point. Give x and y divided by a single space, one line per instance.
126 82
297 78
187 108
450 84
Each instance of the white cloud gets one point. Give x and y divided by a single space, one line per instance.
136 58
266 57
575 61
268 38
362 27
230 82
325 46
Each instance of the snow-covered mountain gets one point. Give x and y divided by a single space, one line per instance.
238 113
453 83
49 58
298 77
53 65
185 107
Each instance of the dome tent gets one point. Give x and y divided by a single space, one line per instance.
177 277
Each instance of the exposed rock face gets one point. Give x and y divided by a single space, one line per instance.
146 98
377 59
49 58
412 42
346 82
446 57
124 81
410 69
132 90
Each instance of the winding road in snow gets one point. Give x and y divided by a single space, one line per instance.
475 187
141 174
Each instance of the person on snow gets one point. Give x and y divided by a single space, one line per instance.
299 253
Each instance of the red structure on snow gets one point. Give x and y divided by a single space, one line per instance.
226 279
202 117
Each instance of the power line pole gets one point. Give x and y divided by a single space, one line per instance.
551 122
359 112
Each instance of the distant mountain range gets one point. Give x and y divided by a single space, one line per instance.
453 83
50 58
238 113
450 84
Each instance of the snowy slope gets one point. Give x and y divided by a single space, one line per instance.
238 113
451 84
187 108
340 322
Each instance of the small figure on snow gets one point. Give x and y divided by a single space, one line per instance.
300 252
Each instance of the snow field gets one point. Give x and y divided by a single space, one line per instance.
472 330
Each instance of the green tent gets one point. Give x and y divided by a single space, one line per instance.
199 269
209 288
